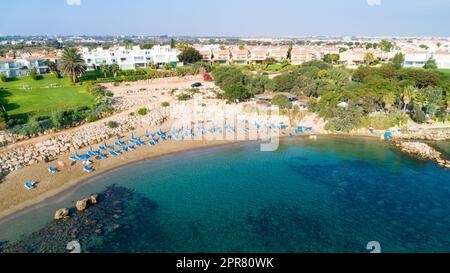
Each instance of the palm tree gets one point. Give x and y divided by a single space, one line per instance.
407 94
72 63
115 69
104 68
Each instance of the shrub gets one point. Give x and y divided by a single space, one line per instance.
236 92
193 91
3 119
131 114
33 75
112 124
95 89
165 104
345 120
419 116
91 118
183 97
57 118
281 100
142 111
3 78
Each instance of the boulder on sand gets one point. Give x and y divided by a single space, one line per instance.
62 214
82 204
93 199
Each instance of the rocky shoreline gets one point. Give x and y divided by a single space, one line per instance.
90 134
422 151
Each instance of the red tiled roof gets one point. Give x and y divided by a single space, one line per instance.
258 51
6 59
51 57
34 58
239 52
221 52
441 52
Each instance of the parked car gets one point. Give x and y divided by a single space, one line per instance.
196 84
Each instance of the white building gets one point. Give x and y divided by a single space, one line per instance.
125 58
442 59
10 68
132 58
416 58
161 55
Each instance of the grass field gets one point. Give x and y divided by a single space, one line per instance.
23 97
446 71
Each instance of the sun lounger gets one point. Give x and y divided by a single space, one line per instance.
87 169
73 158
102 156
87 162
52 170
29 185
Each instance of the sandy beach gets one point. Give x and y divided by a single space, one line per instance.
14 197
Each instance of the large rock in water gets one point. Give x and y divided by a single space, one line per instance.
82 204
62 214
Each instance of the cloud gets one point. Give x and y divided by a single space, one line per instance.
73 2
369 2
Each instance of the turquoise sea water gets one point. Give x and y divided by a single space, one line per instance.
329 195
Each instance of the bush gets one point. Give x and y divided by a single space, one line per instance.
345 120
236 92
184 97
57 118
95 89
165 104
142 111
419 116
91 118
3 78
3 119
112 124
33 75
281 100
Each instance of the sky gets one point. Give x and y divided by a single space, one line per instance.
226 17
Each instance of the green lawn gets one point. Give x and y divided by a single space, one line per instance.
446 71
24 97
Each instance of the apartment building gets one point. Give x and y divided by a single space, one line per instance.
278 54
302 55
416 58
239 56
353 57
36 63
442 58
258 55
11 69
161 55
130 58
221 57
206 54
